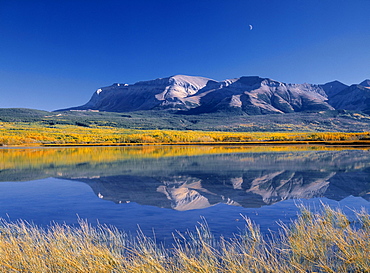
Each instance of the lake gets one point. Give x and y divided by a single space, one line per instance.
167 189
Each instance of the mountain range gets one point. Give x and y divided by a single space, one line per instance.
250 95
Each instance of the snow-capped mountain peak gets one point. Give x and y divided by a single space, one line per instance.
248 94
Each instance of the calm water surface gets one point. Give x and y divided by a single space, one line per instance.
171 188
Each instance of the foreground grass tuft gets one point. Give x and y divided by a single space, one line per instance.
316 242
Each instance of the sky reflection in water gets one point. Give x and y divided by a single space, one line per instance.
164 189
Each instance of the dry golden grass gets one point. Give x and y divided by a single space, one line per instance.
315 242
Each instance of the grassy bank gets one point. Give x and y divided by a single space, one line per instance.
316 242
31 134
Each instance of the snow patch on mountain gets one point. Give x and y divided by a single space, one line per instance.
252 95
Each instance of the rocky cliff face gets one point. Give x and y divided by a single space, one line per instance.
255 95
355 97
251 95
167 93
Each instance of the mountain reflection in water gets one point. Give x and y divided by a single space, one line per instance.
199 177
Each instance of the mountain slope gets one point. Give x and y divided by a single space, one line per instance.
251 95
365 83
355 97
163 93
333 88
255 95
245 95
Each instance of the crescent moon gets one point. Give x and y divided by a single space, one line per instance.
250 27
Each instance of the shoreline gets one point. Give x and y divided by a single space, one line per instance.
344 143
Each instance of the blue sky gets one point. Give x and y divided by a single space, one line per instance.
56 53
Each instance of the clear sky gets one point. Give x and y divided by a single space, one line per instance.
56 53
